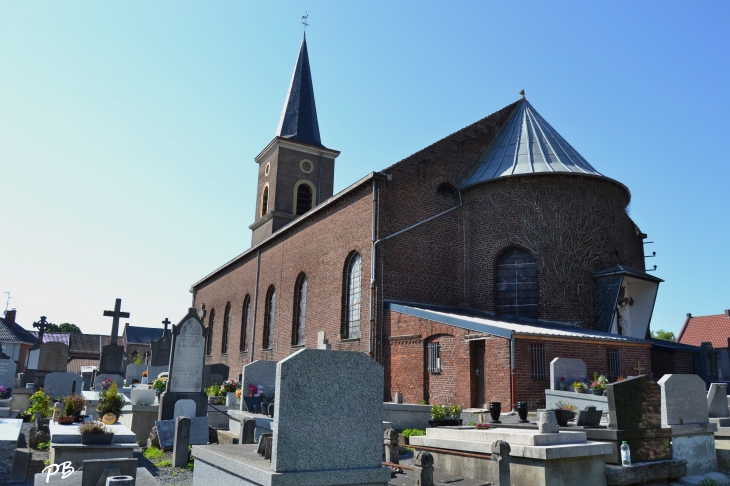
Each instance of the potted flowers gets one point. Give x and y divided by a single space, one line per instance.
443 416
160 383
94 433
254 398
561 384
578 386
599 384
215 394
145 378
6 398
110 401
229 388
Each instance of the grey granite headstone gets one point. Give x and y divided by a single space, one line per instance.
161 351
634 403
198 431
188 358
185 408
350 435
101 377
590 417
683 400
215 373
7 373
111 359
572 369
717 400
52 357
258 373
59 385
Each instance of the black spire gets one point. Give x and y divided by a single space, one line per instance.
299 118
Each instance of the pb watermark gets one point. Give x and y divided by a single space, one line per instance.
65 469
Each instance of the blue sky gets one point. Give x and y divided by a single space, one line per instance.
128 129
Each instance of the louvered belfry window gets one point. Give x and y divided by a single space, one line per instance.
434 358
539 363
517 292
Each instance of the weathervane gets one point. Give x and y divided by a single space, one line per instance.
304 21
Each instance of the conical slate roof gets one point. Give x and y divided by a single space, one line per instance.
528 144
299 117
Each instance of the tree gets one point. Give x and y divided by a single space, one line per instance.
65 327
663 335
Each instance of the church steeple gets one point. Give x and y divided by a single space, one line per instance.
299 117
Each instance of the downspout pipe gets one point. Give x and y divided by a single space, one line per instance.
255 305
512 370
372 267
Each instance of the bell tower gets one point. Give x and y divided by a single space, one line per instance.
296 172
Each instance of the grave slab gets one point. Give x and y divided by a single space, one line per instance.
144 478
78 453
198 431
69 434
645 472
512 436
9 433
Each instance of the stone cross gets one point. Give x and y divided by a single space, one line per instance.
390 438
166 322
116 314
41 325
638 367
202 313
500 454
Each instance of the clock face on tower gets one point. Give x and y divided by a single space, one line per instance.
306 166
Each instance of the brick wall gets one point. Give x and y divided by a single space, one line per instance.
318 247
666 361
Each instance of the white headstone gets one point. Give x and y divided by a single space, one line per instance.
185 408
260 374
8 368
186 374
570 368
683 400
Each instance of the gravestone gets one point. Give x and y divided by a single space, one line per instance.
634 411
258 373
101 377
683 400
52 357
685 414
59 385
572 369
134 372
350 435
184 408
161 347
112 355
708 363
186 367
215 373
590 417
7 373
199 433
717 401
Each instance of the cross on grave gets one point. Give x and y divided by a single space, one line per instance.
116 314
42 325
166 322
638 367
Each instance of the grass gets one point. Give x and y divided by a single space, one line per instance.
190 466
164 463
154 453
43 446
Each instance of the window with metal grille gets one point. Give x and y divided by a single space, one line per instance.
209 345
269 314
245 318
517 293
614 364
300 310
352 301
304 199
226 321
539 363
434 358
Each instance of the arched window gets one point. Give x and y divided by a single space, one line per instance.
304 198
300 310
226 322
516 292
209 346
352 297
269 315
265 201
245 320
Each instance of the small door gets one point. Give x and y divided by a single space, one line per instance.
476 354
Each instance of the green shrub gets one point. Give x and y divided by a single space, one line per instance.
164 463
413 432
43 446
40 402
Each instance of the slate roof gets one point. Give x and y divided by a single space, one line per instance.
625 269
299 116
142 335
10 333
714 329
528 144
74 364
53 337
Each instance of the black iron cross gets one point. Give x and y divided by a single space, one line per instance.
166 322
304 20
42 325
116 314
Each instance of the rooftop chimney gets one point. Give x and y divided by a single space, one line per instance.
689 316
727 312
10 316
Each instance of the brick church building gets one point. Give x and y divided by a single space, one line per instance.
463 269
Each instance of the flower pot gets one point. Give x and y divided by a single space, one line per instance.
578 390
444 423
231 399
145 380
495 410
97 439
562 416
66 420
562 385
597 392
522 412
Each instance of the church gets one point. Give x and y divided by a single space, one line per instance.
463 269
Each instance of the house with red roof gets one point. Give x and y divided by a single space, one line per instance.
713 329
